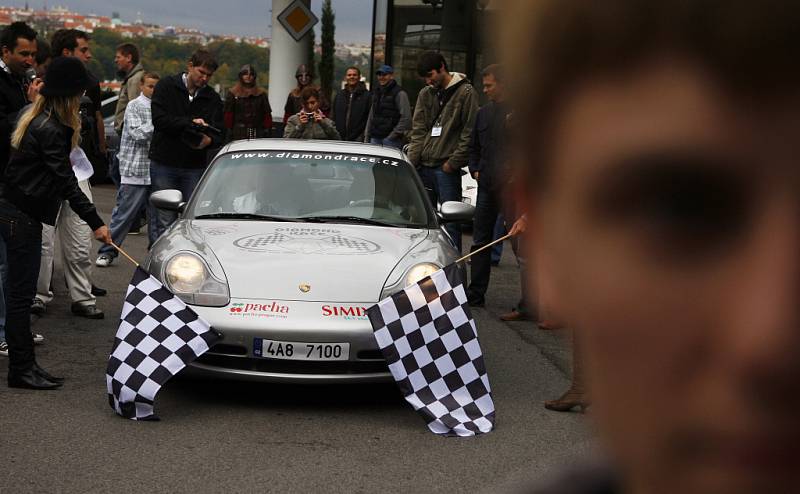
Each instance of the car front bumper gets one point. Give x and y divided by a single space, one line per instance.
233 357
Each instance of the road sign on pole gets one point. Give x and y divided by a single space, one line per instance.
297 19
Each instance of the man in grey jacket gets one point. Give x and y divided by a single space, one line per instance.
131 71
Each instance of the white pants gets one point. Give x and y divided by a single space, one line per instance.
74 248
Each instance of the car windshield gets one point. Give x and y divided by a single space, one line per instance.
312 187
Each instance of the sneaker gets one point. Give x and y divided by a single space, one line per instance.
38 307
3 349
37 338
104 260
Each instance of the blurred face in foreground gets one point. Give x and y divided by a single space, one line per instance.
668 232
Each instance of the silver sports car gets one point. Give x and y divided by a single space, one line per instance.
285 244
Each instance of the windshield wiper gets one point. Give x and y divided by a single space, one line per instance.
348 219
245 216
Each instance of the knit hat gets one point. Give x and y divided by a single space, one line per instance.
65 76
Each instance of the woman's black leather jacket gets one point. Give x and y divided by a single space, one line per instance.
39 175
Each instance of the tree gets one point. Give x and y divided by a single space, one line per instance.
312 38
326 62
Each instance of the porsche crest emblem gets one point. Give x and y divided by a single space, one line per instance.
305 287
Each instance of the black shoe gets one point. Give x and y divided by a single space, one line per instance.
43 373
87 311
476 302
99 292
30 379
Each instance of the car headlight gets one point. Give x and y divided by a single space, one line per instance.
420 271
188 277
186 273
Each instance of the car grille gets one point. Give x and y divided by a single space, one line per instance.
292 367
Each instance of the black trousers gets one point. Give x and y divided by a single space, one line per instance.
488 206
22 237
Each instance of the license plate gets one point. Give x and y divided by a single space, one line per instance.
294 350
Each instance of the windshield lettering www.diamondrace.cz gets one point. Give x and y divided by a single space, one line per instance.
353 158
312 187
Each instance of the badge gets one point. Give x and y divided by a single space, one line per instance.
436 131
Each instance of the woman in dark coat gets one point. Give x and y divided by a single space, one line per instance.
247 111
37 179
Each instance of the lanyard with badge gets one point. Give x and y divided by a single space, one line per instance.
436 130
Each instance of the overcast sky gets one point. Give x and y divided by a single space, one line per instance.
247 17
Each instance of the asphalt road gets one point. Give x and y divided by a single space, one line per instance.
242 437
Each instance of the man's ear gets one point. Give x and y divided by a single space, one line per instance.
66 52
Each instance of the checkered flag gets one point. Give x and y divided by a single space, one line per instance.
158 336
428 337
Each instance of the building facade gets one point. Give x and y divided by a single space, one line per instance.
403 29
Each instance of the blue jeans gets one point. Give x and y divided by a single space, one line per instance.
130 201
385 141
165 177
443 187
23 240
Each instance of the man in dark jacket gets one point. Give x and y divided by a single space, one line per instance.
487 164
19 46
390 118
183 108
351 107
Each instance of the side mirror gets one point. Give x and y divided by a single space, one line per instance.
168 200
456 211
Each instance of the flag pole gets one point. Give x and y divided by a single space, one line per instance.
501 239
125 254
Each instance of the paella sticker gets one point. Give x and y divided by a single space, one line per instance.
267 309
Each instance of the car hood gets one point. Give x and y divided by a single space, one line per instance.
308 262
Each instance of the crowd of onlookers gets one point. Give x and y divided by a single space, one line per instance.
171 125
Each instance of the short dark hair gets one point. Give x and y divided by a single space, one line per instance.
309 92
430 60
750 48
151 75
66 39
353 68
15 31
129 50
43 52
204 58
495 70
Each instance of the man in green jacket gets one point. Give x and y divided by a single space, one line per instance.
441 128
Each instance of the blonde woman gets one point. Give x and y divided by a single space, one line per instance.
38 177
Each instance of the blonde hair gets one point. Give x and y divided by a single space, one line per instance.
65 108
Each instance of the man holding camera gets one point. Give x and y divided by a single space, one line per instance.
187 118
310 123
